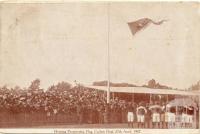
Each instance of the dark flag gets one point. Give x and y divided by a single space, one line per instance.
140 24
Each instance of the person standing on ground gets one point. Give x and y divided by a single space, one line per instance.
141 111
130 115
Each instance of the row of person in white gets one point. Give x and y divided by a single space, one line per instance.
157 117
187 118
170 117
140 112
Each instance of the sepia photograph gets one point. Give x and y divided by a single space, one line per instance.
100 65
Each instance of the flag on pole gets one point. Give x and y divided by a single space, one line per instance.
140 24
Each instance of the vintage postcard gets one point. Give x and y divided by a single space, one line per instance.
100 67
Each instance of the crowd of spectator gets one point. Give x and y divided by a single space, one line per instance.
86 105
89 105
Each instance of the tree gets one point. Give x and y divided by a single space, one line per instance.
5 87
17 88
35 85
62 86
51 88
152 83
195 86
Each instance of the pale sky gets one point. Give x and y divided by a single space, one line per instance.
67 42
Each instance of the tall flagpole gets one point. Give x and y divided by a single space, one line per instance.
108 55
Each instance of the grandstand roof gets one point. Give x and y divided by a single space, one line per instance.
144 90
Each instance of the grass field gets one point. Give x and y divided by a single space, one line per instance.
64 125
103 128
87 126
